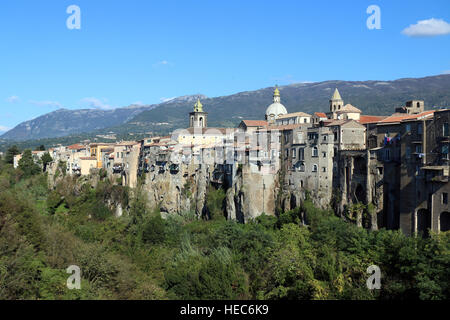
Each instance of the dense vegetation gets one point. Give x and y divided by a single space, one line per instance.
142 256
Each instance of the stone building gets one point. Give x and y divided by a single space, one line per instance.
307 155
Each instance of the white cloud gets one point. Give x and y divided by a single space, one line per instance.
47 103
13 99
4 129
97 103
428 28
162 63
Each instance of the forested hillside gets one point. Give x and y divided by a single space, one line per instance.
142 256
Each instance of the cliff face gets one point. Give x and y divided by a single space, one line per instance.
178 191
249 195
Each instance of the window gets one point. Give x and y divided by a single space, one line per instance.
314 168
419 148
408 152
301 183
444 198
324 137
445 129
315 152
408 128
300 136
302 168
301 154
305 120
419 128
335 136
387 155
287 152
324 154
293 153
445 152
324 169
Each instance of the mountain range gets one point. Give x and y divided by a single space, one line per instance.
372 97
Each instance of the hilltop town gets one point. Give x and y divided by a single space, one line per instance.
395 168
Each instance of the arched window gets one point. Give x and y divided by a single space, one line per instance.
200 120
315 152
314 168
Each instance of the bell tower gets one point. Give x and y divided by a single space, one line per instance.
198 118
336 103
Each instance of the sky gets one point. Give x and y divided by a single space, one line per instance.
144 51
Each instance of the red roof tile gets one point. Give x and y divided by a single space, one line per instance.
75 147
255 123
398 118
370 119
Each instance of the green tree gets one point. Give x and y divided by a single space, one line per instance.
10 153
46 159
27 164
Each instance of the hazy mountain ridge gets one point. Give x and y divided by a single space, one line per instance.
373 97
64 122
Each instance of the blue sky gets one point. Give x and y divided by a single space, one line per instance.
141 51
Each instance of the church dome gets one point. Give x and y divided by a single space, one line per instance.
276 109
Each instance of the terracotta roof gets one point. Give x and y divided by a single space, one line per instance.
255 123
76 147
335 122
320 114
348 108
370 119
398 117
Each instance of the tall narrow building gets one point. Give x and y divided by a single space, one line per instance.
336 103
198 118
